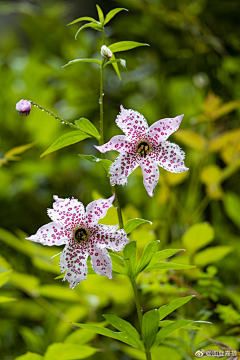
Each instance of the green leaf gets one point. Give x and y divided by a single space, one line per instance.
66 140
4 299
91 25
116 257
198 236
80 337
95 61
106 332
86 126
211 255
147 255
126 328
112 13
231 203
100 14
164 254
130 258
30 356
167 266
167 330
84 18
105 163
133 223
4 277
150 324
125 45
115 66
173 305
61 351
10 154
111 62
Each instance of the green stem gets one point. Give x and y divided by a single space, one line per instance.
148 356
101 140
138 306
55 116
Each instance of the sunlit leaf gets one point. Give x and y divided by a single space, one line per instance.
150 324
18 150
164 254
173 305
66 140
125 45
65 351
112 13
100 14
84 18
133 223
4 299
190 138
106 332
147 256
30 356
80 337
92 25
86 126
167 330
231 203
95 61
126 328
4 277
167 266
210 173
211 255
198 236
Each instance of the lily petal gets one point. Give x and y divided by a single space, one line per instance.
52 233
118 143
67 212
97 209
133 124
110 237
150 175
170 157
74 260
162 129
100 260
122 167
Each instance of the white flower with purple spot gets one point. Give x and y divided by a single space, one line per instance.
79 230
144 146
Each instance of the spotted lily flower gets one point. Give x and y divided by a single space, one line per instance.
79 230
144 146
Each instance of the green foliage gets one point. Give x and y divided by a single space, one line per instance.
86 126
125 45
133 223
150 326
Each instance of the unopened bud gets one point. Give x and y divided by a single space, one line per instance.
23 107
106 52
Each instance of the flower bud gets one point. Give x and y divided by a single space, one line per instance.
23 107
106 52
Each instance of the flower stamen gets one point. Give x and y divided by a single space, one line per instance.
143 148
80 234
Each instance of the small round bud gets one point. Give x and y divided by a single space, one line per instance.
23 107
106 52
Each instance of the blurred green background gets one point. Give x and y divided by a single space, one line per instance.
191 67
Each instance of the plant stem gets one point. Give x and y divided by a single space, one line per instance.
55 116
138 306
148 356
101 140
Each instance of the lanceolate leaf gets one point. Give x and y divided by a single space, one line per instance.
125 45
125 327
150 326
66 140
61 351
115 66
95 61
133 223
112 13
168 266
130 258
92 25
86 126
164 254
100 14
84 18
105 163
147 255
121 336
173 305
167 330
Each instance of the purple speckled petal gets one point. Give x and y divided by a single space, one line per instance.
122 167
162 129
52 233
109 237
97 209
150 175
100 260
133 124
118 143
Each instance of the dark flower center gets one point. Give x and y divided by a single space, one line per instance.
143 148
80 235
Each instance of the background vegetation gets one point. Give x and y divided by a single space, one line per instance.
191 67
